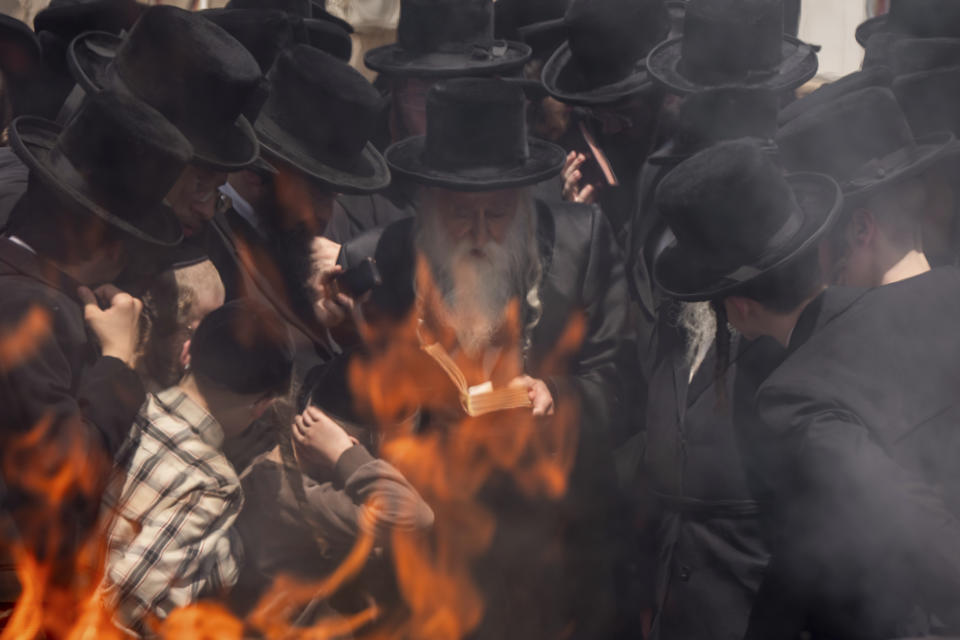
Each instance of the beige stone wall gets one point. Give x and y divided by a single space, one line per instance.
831 24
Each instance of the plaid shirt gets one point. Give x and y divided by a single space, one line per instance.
171 539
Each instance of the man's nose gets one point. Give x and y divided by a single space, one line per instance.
479 230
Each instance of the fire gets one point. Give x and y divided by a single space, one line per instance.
56 468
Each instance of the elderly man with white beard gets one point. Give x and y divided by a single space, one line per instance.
488 242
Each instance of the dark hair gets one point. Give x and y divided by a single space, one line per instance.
245 348
785 288
59 229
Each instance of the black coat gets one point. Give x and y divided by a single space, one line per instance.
861 446
63 378
582 270
710 546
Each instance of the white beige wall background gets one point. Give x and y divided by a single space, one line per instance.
830 24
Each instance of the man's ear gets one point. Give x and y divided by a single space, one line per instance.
861 228
185 354
260 406
739 309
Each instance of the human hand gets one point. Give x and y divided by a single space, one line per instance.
118 326
572 175
332 307
318 438
538 392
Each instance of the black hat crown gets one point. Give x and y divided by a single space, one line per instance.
925 18
302 8
609 37
846 137
731 39
475 123
158 63
428 26
913 55
69 18
929 100
714 115
320 104
728 205
264 33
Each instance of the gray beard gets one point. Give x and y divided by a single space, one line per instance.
699 324
476 290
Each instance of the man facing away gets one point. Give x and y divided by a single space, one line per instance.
859 419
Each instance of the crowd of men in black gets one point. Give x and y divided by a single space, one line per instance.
209 218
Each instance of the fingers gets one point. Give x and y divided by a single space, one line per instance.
586 195
87 297
107 292
328 275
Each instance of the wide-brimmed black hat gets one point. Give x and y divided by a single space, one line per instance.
604 57
69 18
862 140
476 140
316 9
708 117
731 43
445 38
930 100
734 217
320 117
265 33
35 77
916 18
117 158
187 68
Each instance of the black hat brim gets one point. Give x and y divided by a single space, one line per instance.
545 161
928 152
557 73
680 274
228 148
871 26
34 138
320 13
799 64
393 60
369 174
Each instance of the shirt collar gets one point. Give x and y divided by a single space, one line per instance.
179 404
243 208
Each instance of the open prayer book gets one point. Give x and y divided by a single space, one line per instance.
482 398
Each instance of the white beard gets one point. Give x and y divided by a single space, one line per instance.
699 323
476 290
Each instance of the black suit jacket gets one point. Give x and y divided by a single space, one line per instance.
861 443
582 271
54 371
710 548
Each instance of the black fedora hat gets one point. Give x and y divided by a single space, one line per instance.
732 43
708 117
334 149
734 216
306 9
117 158
862 140
537 23
916 18
831 91
444 38
476 140
876 51
69 18
604 57
930 100
190 70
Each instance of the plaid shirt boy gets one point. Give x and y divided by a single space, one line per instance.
171 540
